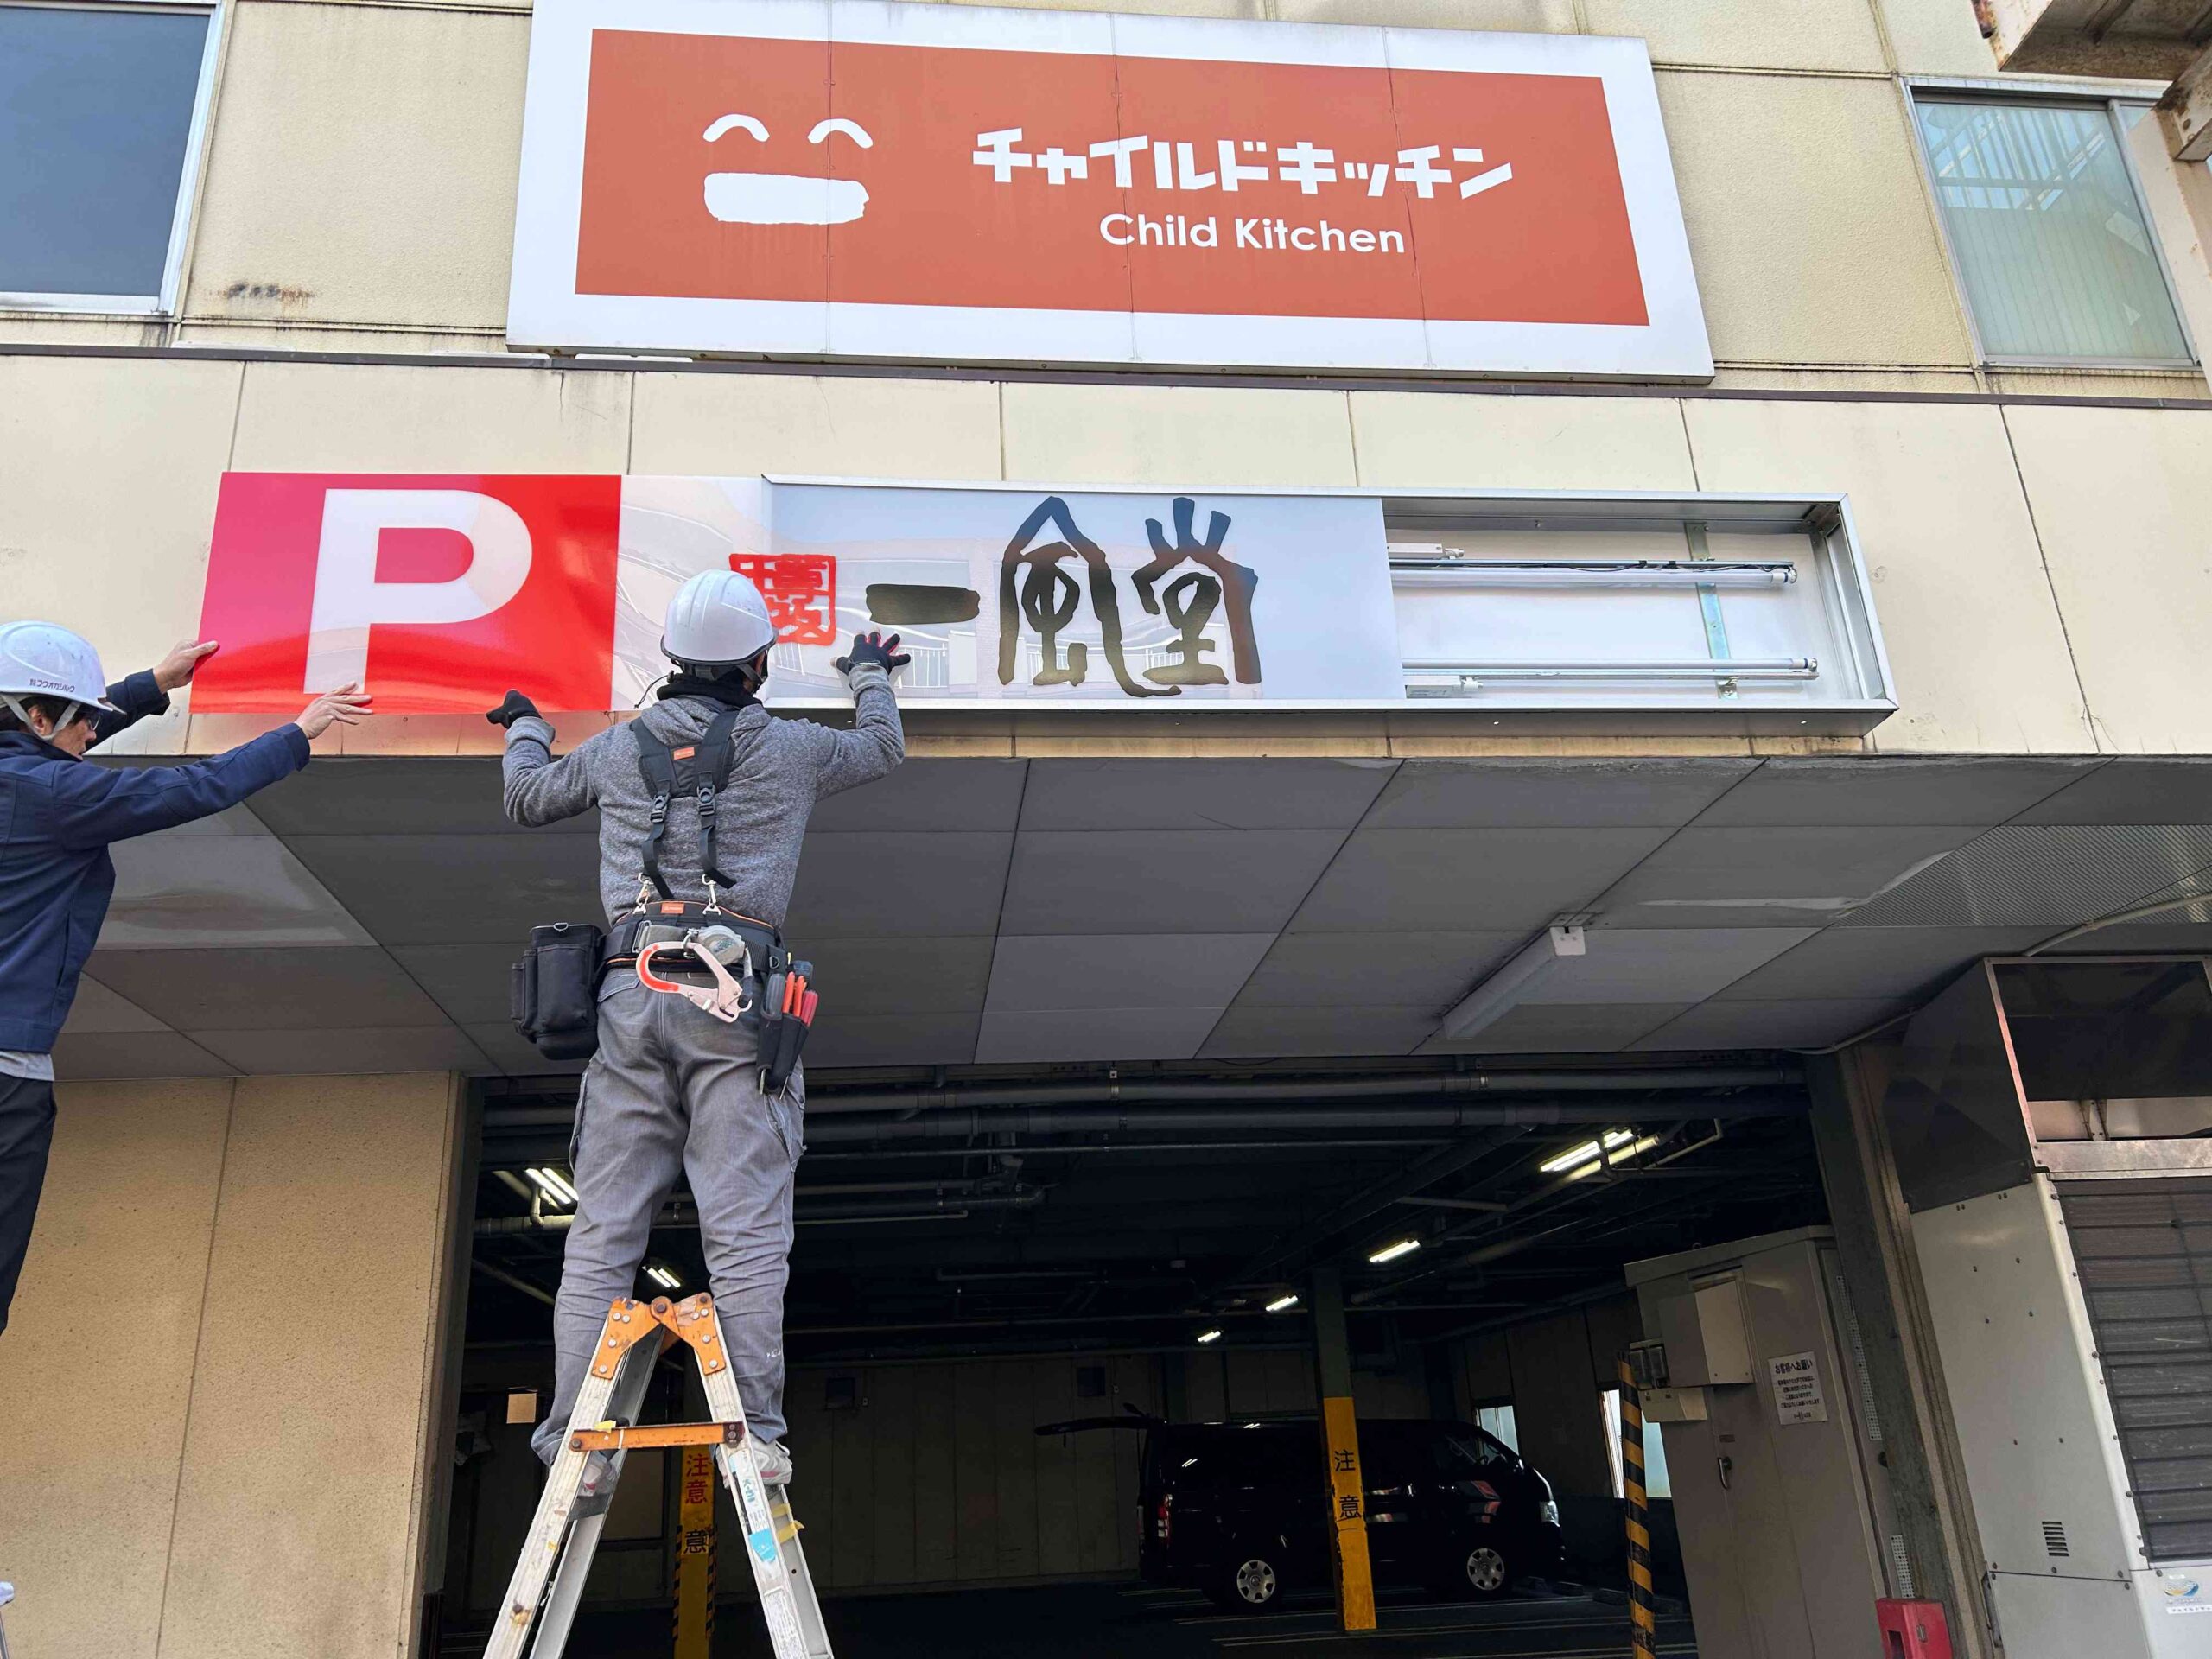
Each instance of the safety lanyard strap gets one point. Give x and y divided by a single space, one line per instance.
654 761
709 770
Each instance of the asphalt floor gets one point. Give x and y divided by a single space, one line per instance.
1118 1621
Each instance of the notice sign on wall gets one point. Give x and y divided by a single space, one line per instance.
441 591
821 177
1797 1397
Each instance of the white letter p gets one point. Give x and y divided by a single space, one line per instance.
349 599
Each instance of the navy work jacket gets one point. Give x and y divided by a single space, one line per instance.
57 815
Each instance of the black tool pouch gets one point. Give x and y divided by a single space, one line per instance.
553 992
783 1035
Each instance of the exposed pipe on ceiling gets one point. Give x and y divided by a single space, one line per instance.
912 1206
968 1123
1445 1085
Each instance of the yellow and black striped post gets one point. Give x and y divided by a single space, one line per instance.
1643 1616
695 1554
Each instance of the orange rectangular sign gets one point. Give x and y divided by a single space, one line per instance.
927 181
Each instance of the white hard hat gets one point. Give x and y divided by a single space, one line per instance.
38 660
717 619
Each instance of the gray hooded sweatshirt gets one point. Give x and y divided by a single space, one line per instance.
778 769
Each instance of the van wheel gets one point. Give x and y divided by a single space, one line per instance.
1249 1582
1479 1571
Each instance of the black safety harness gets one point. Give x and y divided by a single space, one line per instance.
734 967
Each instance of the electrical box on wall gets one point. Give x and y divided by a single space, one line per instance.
1703 1330
1772 1448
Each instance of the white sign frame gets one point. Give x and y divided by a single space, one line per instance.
545 312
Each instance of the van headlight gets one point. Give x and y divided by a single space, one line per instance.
1550 1513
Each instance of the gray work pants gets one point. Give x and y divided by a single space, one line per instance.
671 1089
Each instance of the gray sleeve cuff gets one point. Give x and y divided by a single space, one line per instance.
866 675
532 728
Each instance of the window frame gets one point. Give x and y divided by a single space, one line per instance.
2048 94
165 303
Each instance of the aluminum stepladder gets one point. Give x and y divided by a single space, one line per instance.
564 1532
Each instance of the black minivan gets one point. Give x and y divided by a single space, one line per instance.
1241 1510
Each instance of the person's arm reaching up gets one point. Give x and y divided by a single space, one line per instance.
535 788
95 805
878 741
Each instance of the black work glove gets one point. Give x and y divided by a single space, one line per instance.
514 708
873 648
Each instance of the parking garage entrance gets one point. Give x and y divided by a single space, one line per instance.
1131 1072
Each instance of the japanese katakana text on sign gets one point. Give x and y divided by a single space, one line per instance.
1000 184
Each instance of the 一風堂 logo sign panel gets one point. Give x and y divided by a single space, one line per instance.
872 179
441 592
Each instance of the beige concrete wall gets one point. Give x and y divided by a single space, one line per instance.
358 188
219 1364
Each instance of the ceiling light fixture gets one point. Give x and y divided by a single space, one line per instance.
553 1186
1214 1335
1614 1155
664 1278
1561 945
1588 1152
1287 1300
1392 1252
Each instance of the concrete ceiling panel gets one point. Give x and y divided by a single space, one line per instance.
1629 964
444 889
406 1048
1538 794
1043 972
946 1039
2175 789
1808 1023
935 795
509 1055
1448 880
256 990
1773 877
1876 962
1193 794
423 795
1562 1028
901 976
99 1011
1895 790
134 1054
1162 880
1343 1029
469 982
882 885
1431 970
1094 1035
197 892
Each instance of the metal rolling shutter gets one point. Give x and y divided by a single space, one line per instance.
2144 1248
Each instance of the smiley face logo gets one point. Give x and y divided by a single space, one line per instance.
785 198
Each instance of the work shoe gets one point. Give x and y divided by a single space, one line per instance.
773 1461
595 1489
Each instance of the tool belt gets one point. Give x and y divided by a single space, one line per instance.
733 968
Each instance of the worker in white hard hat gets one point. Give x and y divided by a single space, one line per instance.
58 818
672 1089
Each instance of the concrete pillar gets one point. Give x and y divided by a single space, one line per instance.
224 1355
1347 1486
1926 1474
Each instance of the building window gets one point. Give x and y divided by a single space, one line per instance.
1656 1485
1497 1421
2048 235
101 115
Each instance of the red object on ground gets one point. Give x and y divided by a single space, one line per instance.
1913 1629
